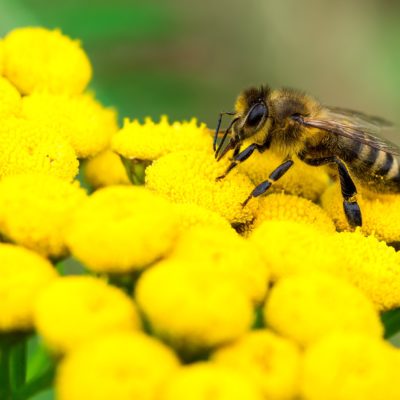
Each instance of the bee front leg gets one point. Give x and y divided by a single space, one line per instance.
276 174
348 188
239 157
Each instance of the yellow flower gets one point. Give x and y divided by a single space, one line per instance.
87 125
208 381
290 247
224 256
76 309
380 213
152 140
122 228
35 209
190 177
123 366
105 169
372 266
306 307
193 311
38 58
271 362
283 207
302 180
193 215
1 57
10 99
350 366
23 275
31 146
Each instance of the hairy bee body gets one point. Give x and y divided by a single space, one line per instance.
293 123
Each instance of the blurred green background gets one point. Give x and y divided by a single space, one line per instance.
187 59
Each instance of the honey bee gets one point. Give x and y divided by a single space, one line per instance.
293 123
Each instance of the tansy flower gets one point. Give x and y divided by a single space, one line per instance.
191 215
38 58
122 228
32 146
350 366
372 266
302 180
284 207
190 177
87 125
35 210
1 57
105 169
10 99
271 362
23 275
191 310
290 247
208 381
75 309
380 213
224 256
319 304
152 140
121 366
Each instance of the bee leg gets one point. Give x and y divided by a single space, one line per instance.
238 158
348 188
219 126
276 174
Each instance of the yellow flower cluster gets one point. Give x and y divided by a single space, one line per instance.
262 301
35 210
151 140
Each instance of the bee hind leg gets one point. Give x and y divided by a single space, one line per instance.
276 174
348 188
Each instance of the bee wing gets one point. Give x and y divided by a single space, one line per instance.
355 125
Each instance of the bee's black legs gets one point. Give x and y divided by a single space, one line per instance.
240 157
274 176
349 191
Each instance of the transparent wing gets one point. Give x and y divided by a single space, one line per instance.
365 129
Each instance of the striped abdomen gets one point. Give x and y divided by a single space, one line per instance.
378 169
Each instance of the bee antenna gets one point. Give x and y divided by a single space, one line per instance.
221 144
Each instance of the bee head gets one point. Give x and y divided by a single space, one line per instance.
252 109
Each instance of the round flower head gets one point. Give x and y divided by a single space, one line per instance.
23 275
380 213
190 177
152 140
10 99
35 210
192 215
290 247
38 58
123 366
284 207
193 311
87 125
302 180
372 266
271 362
323 304
31 146
1 57
350 366
75 309
105 169
206 381
122 228
224 256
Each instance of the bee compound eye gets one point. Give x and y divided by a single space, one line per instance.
256 114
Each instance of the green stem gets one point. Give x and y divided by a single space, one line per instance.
391 322
5 381
36 385
18 363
